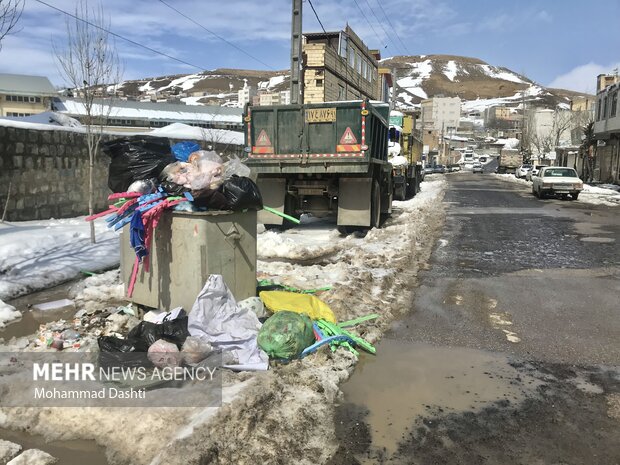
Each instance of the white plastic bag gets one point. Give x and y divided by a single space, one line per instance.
195 350
216 319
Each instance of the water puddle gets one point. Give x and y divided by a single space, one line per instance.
406 381
32 318
76 452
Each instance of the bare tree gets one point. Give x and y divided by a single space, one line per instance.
10 12
562 122
588 152
89 62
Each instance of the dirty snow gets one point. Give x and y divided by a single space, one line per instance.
7 313
284 415
36 255
185 131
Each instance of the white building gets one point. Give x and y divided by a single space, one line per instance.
441 114
246 94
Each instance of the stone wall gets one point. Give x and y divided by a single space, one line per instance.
48 173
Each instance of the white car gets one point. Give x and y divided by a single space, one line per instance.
533 172
521 171
556 180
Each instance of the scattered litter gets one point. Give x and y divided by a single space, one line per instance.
195 351
285 335
311 305
255 305
164 354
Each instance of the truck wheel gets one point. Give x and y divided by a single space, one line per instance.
575 195
375 205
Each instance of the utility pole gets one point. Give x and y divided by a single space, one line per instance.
296 83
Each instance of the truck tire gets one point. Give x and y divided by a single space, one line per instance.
375 205
575 196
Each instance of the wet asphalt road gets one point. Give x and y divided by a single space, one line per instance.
511 352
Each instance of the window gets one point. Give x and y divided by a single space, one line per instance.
19 115
605 107
358 63
598 109
613 105
319 82
343 45
351 58
341 92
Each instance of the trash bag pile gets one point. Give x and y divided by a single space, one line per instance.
216 325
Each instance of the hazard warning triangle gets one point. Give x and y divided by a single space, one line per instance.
348 137
263 139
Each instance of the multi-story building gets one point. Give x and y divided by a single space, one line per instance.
22 95
441 113
246 95
338 66
607 133
605 80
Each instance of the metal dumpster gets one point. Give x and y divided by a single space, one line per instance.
186 249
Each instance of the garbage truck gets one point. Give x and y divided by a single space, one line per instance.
322 158
509 160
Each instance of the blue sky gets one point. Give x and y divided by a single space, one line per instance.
563 43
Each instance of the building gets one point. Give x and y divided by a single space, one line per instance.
136 116
246 94
441 114
384 82
607 134
606 80
22 95
338 66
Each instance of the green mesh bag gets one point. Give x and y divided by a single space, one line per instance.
285 335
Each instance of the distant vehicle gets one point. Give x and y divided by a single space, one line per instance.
522 170
429 170
477 168
439 169
509 160
533 172
454 168
556 180
482 159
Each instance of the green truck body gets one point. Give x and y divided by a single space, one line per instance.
324 159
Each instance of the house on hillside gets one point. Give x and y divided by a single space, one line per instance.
338 66
23 95
607 133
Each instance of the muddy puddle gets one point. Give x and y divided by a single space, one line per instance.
77 452
31 317
407 381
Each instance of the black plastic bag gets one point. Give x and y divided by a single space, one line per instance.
136 158
242 194
146 333
210 198
115 352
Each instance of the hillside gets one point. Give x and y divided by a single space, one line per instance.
476 82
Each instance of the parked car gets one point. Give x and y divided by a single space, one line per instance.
522 170
533 172
439 169
477 168
482 159
556 180
454 168
429 170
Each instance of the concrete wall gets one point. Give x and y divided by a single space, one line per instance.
48 173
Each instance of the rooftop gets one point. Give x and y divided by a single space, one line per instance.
22 84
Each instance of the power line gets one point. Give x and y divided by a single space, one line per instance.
369 23
122 37
381 24
317 16
387 18
220 37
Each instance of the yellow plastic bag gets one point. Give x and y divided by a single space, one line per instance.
311 305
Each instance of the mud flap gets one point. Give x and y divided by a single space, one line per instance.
354 201
273 191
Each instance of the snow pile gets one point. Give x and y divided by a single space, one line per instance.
184 131
450 70
393 149
7 313
398 160
39 254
